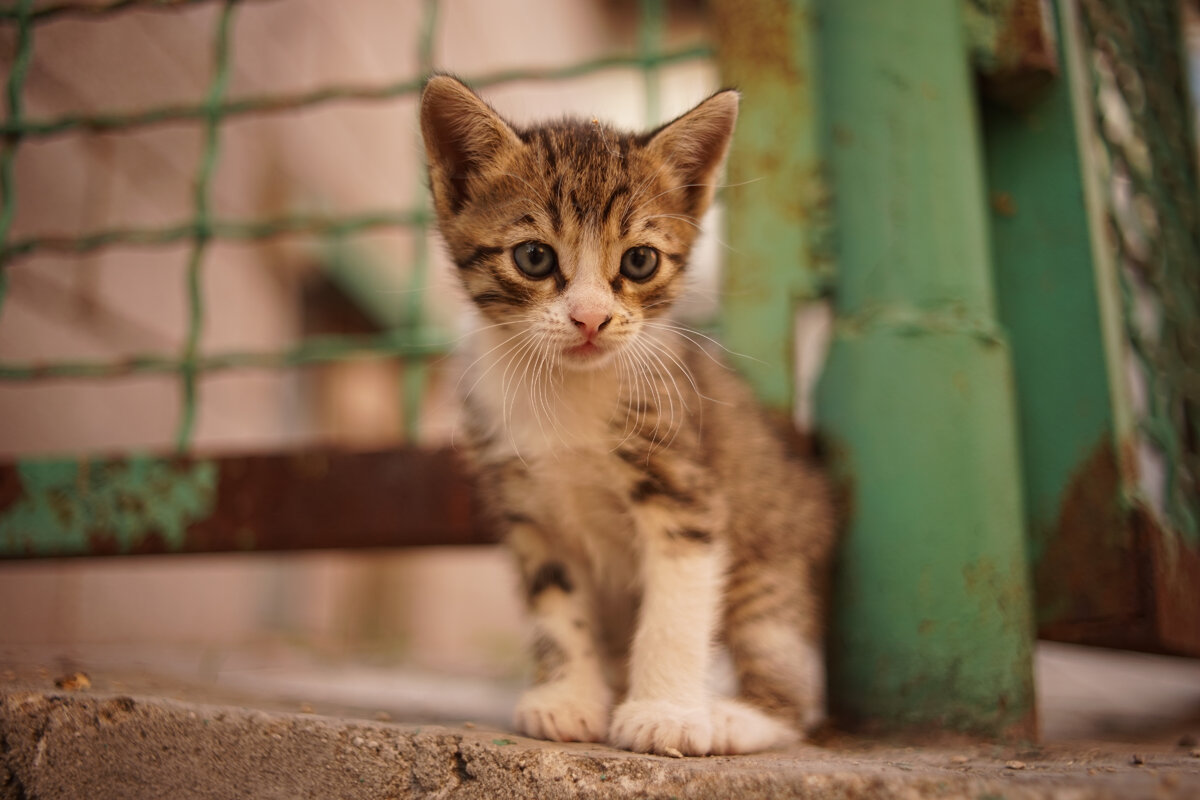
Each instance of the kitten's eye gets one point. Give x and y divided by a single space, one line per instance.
639 263
535 259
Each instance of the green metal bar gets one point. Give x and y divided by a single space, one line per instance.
261 104
932 620
13 90
414 375
292 224
652 20
48 12
315 350
208 164
776 193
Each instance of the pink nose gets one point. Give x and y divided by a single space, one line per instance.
590 322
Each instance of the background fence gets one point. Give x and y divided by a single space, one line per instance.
407 330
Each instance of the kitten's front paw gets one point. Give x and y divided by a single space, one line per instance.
656 726
739 728
563 712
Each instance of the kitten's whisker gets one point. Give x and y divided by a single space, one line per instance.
452 351
536 192
714 186
535 386
514 373
475 331
631 374
687 372
653 363
546 379
484 374
642 188
695 224
659 347
650 200
640 399
505 359
687 333
471 366
511 387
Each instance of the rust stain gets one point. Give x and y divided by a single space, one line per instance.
1088 577
1174 578
1024 42
10 490
1026 57
755 40
1112 574
1003 204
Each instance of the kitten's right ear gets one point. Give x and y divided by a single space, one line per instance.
462 135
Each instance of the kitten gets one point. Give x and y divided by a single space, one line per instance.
651 508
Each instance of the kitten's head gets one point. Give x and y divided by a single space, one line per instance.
572 231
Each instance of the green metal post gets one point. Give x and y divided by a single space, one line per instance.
932 621
776 191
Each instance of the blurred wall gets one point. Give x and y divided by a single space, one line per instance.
453 610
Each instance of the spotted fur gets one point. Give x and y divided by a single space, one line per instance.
652 509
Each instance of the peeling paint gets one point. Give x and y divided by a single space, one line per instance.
71 506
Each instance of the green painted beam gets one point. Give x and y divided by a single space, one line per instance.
932 620
776 209
1081 541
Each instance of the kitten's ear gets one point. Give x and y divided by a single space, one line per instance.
696 143
462 135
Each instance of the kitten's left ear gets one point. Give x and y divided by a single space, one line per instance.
463 135
696 143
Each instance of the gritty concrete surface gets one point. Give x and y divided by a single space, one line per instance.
107 733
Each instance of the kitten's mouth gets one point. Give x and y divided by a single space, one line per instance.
587 350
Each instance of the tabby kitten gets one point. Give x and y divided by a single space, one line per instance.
651 508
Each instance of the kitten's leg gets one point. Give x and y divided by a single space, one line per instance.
570 700
781 672
679 517
668 706
774 633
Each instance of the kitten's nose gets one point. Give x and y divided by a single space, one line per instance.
590 322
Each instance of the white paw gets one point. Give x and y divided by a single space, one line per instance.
656 726
563 712
739 728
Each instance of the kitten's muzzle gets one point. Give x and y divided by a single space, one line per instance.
590 323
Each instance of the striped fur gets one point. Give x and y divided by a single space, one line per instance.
651 508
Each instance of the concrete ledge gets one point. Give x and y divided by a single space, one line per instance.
105 745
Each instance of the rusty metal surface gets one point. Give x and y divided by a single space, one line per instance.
1088 577
1174 578
1013 48
1112 575
312 499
